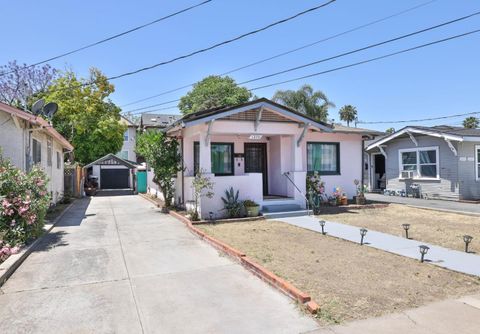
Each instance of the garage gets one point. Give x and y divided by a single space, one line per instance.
111 173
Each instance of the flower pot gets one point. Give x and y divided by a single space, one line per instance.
344 200
252 211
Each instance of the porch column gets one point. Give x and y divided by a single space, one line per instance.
205 154
297 156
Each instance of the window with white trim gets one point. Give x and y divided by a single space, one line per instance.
125 135
423 161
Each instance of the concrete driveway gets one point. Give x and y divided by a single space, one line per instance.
118 265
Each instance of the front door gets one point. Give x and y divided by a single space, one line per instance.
256 161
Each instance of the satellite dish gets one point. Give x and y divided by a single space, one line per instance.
50 109
37 106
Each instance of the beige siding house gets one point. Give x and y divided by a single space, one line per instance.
26 139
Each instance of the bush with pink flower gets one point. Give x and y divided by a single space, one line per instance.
24 201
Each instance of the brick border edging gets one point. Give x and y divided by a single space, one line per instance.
11 264
258 270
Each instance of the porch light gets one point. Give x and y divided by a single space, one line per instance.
406 227
423 250
322 225
467 239
363 232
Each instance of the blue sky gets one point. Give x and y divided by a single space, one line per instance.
440 80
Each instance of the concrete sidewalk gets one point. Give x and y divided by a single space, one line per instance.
118 265
434 204
451 259
461 316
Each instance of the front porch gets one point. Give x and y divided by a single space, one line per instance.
259 166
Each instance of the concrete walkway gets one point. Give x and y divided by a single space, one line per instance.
435 204
118 265
459 316
459 261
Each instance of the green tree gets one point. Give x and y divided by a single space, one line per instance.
471 122
212 92
312 103
161 154
389 131
86 117
348 113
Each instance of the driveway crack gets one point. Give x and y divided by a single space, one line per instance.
126 268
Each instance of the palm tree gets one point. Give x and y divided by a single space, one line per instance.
471 122
348 113
314 104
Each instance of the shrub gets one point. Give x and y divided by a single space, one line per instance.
24 201
249 203
231 204
202 187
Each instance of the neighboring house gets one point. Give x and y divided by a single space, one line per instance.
442 161
27 139
112 172
127 151
157 121
264 150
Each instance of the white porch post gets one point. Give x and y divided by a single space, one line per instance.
297 156
205 154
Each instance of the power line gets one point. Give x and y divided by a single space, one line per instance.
360 62
362 49
214 46
419 120
290 51
341 55
368 60
114 36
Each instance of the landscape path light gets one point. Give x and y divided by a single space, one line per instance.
211 216
322 225
423 250
406 227
363 232
467 239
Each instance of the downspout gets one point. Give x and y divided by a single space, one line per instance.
183 173
363 162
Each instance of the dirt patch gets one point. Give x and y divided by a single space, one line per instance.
349 281
439 228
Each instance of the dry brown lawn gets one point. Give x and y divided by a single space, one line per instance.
435 227
349 281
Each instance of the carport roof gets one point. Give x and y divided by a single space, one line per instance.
110 156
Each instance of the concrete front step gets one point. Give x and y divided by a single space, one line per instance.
286 214
281 207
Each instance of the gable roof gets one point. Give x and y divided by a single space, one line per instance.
38 121
127 122
216 113
445 132
111 156
158 120
339 128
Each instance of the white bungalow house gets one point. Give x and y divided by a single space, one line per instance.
265 150
26 139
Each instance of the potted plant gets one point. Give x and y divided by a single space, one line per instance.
337 194
343 199
252 208
231 204
361 189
